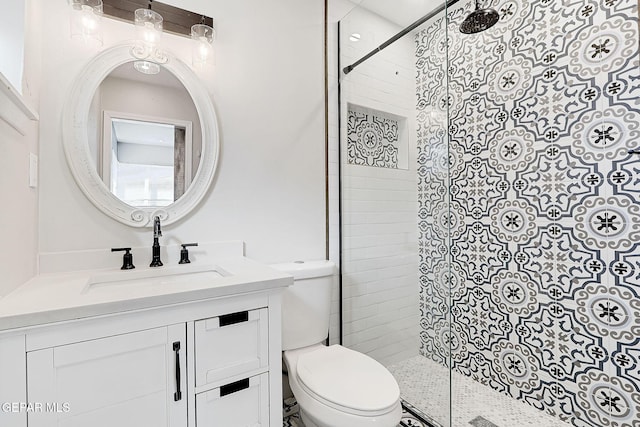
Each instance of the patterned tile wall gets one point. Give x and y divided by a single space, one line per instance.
533 189
372 139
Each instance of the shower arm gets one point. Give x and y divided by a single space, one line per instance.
399 35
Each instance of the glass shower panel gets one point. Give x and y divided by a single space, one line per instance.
439 336
393 170
379 202
544 215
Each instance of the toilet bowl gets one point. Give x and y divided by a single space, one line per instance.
333 385
339 387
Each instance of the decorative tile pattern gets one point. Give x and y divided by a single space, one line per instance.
411 417
290 407
529 220
414 417
292 421
372 140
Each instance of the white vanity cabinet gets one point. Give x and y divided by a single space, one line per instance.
127 380
231 372
214 362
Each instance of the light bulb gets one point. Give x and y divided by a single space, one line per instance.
202 51
146 67
85 21
148 26
89 21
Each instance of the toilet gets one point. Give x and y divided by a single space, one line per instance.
333 385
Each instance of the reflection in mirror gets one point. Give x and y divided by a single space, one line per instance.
144 136
148 161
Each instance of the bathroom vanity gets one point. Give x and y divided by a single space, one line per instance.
85 343
160 347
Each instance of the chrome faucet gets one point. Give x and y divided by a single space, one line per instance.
157 232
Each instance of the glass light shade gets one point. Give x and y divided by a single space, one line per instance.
148 27
148 33
202 37
146 67
86 18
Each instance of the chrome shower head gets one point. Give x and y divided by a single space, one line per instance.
479 20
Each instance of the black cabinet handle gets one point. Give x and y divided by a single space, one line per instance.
233 318
178 394
234 387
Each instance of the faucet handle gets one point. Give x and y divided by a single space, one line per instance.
157 231
127 258
184 253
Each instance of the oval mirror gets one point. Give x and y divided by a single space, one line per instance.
140 145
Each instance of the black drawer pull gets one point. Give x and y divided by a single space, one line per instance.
178 394
233 318
234 387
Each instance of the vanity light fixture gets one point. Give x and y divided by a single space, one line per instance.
202 48
86 17
151 18
146 48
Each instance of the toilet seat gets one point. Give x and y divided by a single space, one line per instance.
347 381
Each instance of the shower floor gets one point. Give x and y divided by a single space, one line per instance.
425 385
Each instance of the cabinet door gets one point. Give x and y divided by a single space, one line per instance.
126 380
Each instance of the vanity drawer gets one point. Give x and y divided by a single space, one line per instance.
243 403
231 345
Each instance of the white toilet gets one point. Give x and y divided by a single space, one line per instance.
334 386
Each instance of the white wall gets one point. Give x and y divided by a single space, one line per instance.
12 34
267 87
18 216
379 205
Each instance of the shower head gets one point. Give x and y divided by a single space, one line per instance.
479 20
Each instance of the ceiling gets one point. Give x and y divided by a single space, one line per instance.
145 133
400 12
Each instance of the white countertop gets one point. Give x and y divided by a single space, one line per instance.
56 297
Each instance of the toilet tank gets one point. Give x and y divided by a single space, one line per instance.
306 304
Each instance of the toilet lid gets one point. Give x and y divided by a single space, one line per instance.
347 379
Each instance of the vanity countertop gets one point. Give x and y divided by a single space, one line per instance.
56 297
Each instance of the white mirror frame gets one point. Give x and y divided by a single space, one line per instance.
75 140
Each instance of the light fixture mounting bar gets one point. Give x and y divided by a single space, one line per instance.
175 20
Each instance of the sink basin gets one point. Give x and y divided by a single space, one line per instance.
157 276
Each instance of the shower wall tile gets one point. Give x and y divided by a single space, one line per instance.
372 140
378 185
531 191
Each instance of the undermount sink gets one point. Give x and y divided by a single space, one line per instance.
177 274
